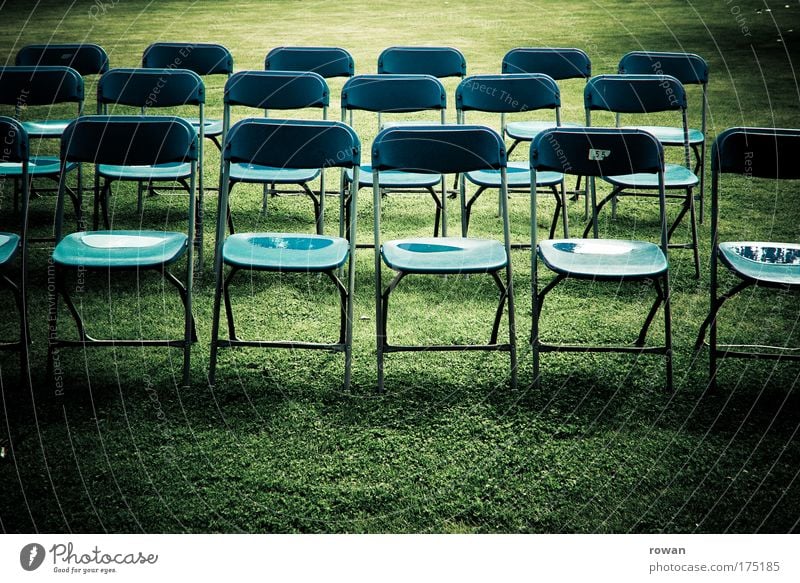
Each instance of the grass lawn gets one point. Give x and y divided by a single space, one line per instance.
277 446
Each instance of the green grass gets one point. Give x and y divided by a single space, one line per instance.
277 446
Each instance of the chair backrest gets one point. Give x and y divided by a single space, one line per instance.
688 68
634 94
277 90
325 61
514 93
292 144
757 153
202 58
393 93
439 62
129 140
30 86
14 140
596 151
559 63
86 59
150 88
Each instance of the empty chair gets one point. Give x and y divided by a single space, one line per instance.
16 164
644 94
689 69
598 152
202 58
42 87
763 156
327 62
289 145
558 63
395 94
507 95
282 91
441 151
145 89
120 142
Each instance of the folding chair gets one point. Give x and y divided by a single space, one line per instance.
327 62
689 69
754 153
85 58
643 94
393 94
144 89
600 152
276 90
16 163
202 58
124 141
441 151
289 145
558 63
510 94
43 86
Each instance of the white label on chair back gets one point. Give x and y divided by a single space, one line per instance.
595 154
116 241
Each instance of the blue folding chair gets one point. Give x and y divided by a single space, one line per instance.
16 164
328 62
202 58
643 94
85 58
39 87
145 89
689 69
119 142
283 91
763 154
440 151
288 145
506 95
558 63
395 94
600 152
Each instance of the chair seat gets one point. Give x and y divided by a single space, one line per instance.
444 255
675 176
243 172
120 249
169 171
603 258
285 252
773 263
395 178
671 136
37 166
518 174
9 245
527 130
213 127
47 128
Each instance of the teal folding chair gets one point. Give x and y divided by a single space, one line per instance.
119 142
289 145
327 62
202 58
507 95
439 62
689 69
646 94
600 152
388 95
86 58
15 163
33 88
440 151
764 155
145 89
560 64
276 91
